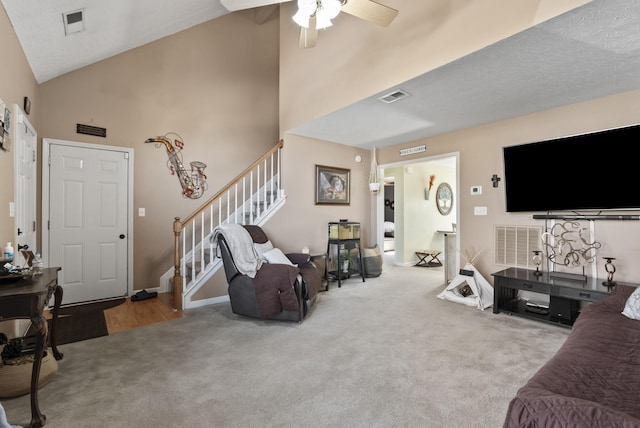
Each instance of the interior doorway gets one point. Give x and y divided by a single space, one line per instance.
87 218
418 224
25 157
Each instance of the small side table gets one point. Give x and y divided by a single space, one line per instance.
432 262
320 260
28 298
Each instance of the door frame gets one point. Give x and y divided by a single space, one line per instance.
379 205
46 161
19 120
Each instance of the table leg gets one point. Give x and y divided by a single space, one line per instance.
54 321
40 324
361 264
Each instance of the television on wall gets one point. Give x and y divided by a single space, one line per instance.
594 171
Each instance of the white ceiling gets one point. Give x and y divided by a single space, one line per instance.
586 53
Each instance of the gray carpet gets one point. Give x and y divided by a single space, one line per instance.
384 353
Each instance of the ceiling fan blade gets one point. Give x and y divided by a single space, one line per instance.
370 11
233 5
309 35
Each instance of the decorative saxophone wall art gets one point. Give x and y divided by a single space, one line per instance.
193 182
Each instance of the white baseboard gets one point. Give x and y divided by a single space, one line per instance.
205 302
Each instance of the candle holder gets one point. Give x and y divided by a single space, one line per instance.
537 261
611 269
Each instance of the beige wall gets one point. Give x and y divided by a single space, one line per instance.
16 82
356 59
215 84
481 156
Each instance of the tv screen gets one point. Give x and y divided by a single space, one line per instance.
595 171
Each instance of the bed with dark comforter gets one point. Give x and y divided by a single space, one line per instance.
594 378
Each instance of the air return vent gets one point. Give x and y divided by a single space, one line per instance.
394 96
91 130
514 245
73 21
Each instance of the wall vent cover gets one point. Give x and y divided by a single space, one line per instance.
394 96
515 245
91 130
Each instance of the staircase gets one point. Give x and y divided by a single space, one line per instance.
251 198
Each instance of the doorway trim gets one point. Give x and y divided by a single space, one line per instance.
20 120
379 208
46 161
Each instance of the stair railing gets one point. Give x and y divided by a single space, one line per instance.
244 200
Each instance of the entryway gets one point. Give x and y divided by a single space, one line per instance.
417 223
87 200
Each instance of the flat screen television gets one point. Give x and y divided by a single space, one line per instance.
595 171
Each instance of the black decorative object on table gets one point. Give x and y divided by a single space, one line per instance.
611 269
537 261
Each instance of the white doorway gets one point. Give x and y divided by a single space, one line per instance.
25 158
87 215
418 223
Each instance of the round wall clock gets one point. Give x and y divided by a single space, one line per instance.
444 198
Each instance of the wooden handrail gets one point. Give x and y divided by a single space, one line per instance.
232 182
178 225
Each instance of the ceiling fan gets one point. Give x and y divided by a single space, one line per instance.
313 15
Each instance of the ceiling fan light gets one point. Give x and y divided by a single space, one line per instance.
307 6
322 20
302 19
331 7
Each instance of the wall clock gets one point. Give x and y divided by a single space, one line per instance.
444 198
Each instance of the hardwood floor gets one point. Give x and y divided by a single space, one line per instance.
137 314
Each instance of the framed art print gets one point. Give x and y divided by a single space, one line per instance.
333 185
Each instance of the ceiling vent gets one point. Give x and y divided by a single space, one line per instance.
73 21
394 96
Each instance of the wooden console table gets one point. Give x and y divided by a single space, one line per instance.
27 299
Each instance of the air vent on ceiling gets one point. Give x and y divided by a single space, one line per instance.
73 21
96 131
394 96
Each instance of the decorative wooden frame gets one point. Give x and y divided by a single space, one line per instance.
444 198
333 185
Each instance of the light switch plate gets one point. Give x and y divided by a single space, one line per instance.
141 212
476 190
479 210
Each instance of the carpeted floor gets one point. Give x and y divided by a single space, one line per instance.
384 353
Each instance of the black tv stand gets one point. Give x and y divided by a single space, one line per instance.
565 294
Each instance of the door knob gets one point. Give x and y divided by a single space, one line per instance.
121 236
23 247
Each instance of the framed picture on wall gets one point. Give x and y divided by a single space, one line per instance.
333 185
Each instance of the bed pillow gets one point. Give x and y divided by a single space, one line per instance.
276 256
632 307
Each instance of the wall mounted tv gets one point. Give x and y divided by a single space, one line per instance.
595 171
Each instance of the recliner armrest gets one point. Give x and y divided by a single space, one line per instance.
298 258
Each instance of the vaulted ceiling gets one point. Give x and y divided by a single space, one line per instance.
589 52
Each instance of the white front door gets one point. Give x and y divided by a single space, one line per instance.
25 160
88 220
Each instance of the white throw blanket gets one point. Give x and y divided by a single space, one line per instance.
241 247
3 419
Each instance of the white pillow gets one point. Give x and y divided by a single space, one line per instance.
262 248
277 256
632 307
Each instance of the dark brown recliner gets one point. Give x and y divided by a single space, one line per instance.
278 291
